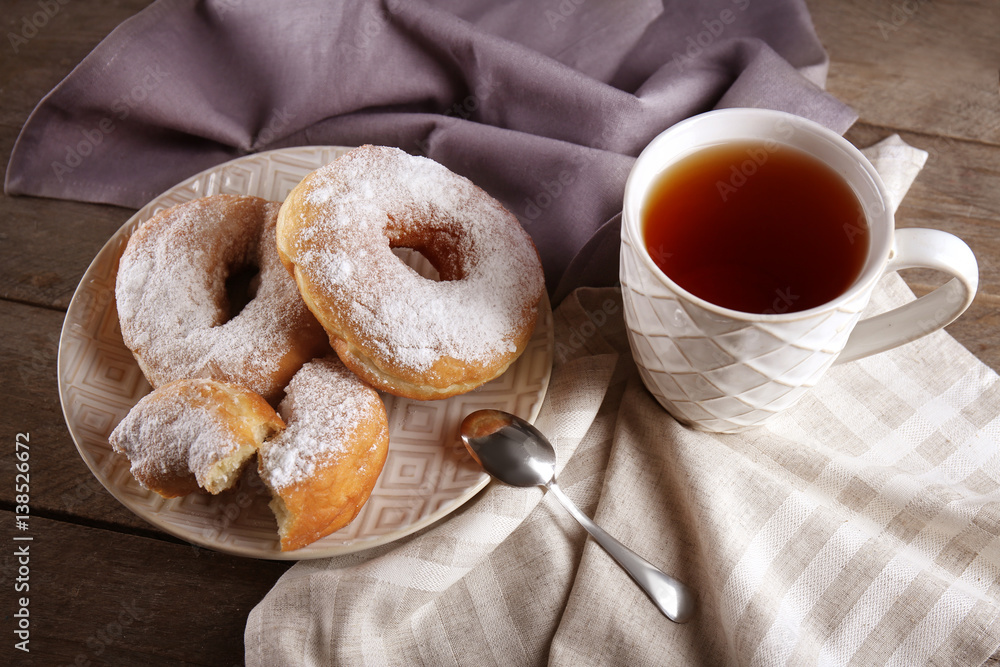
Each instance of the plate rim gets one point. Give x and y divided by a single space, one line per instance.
118 238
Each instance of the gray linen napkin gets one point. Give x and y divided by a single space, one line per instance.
861 527
544 104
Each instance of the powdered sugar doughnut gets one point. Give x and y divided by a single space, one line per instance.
321 469
404 334
193 434
173 306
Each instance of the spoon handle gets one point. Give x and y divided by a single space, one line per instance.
673 598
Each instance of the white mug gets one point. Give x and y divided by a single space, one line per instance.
722 370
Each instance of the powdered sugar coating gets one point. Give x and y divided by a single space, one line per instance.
377 198
185 428
324 405
172 440
171 297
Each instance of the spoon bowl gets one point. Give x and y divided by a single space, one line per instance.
516 453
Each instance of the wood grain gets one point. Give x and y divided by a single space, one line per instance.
62 486
956 192
46 244
927 70
52 46
100 598
926 66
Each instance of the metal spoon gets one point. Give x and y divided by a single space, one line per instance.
515 452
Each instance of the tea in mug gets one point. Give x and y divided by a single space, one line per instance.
757 227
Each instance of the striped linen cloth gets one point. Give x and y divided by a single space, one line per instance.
859 528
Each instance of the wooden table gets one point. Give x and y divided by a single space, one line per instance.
107 588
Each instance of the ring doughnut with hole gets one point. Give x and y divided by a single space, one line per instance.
174 309
405 334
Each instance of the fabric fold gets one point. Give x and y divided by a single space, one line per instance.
544 105
400 584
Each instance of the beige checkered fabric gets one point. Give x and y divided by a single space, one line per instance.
859 528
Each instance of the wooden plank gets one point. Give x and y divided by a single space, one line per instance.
978 329
919 65
45 244
99 597
928 70
61 485
956 192
44 41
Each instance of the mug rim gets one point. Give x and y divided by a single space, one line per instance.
880 243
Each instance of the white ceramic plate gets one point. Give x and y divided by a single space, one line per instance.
427 474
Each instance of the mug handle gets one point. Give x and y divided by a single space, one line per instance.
919 248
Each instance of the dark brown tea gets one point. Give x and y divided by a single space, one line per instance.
756 227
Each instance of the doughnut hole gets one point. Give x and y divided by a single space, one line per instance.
420 339
417 261
241 288
433 254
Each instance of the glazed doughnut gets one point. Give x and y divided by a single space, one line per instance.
404 334
173 305
322 468
192 434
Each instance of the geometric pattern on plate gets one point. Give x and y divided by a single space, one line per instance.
427 475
